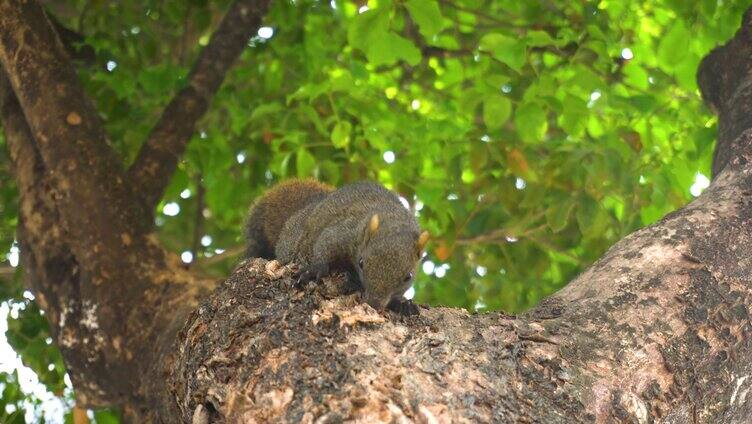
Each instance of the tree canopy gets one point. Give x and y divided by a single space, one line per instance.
527 136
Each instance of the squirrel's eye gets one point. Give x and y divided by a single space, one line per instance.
360 263
409 277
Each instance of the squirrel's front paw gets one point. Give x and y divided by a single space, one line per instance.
311 273
403 307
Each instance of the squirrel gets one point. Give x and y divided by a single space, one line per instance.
361 228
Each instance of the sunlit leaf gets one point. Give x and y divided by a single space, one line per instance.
531 122
427 15
496 111
506 49
673 45
341 134
304 163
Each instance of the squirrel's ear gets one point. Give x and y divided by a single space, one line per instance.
422 240
373 225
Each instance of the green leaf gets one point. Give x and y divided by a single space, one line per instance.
496 111
370 33
538 38
636 75
673 46
427 15
557 215
341 80
643 103
341 134
591 218
310 113
265 109
686 72
281 163
304 163
392 48
106 416
509 50
368 26
468 101
575 116
531 122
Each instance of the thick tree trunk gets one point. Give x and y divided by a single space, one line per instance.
114 297
657 330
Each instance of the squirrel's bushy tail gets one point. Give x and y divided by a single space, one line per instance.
270 212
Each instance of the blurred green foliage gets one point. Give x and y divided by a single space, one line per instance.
528 136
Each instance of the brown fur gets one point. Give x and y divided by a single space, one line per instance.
269 213
360 228
358 223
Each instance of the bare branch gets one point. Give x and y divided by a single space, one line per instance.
230 253
723 78
73 42
63 120
156 162
198 219
79 231
6 272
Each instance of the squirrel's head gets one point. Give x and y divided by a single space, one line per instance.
386 262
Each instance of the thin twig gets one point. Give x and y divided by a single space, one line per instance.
551 246
198 223
227 254
7 271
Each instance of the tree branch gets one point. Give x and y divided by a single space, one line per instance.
96 320
724 80
73 42
230 253
44 254
198 219
158 157
94 271
67 132
6 272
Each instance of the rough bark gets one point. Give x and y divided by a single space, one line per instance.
107 343
657 330
724 79
113 296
